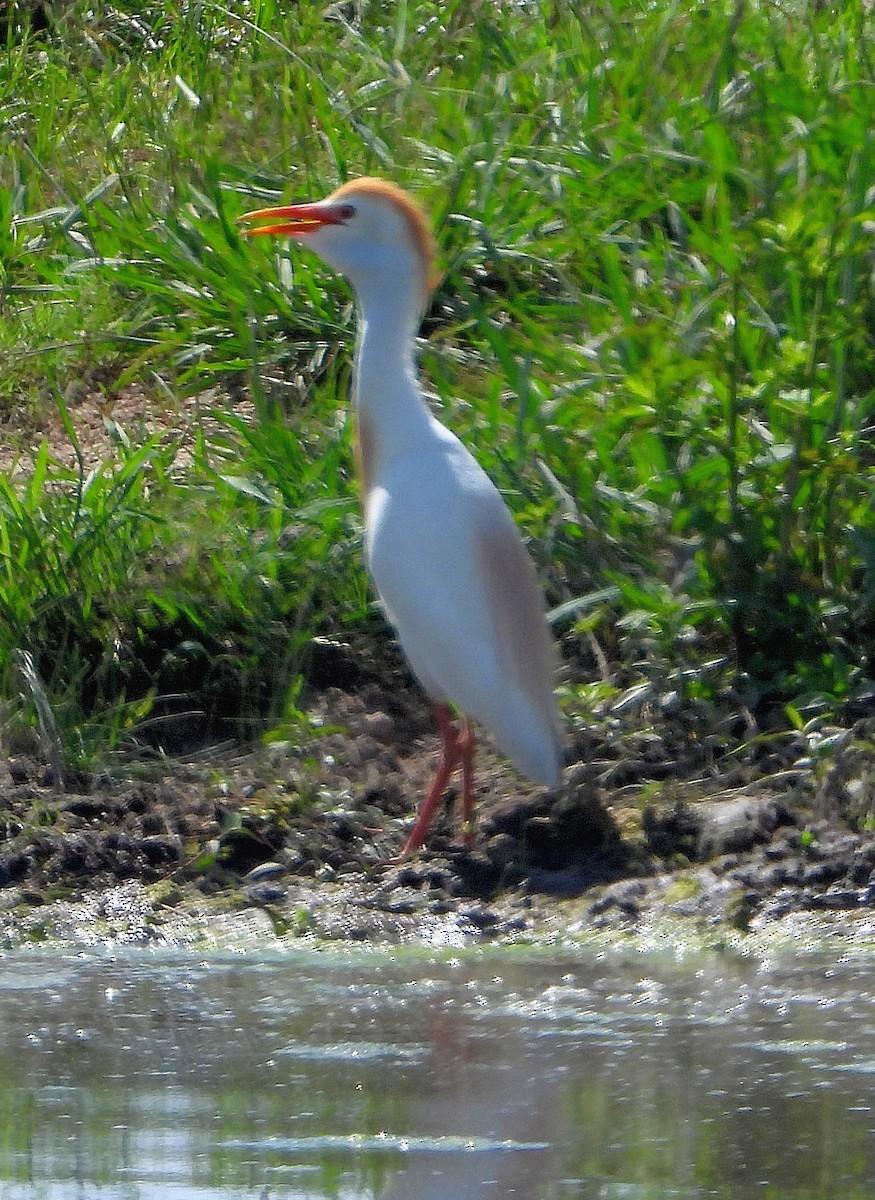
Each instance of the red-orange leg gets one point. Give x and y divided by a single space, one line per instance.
457 747
466 743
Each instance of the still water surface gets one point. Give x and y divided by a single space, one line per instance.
539 1075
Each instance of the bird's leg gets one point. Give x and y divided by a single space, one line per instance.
456 747
466 743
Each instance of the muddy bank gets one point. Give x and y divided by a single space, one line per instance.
303 841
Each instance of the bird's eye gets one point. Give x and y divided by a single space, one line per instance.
346 212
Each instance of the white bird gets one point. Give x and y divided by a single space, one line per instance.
447 559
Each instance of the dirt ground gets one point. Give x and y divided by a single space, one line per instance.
94 414
311 835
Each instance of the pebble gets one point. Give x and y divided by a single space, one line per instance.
380 726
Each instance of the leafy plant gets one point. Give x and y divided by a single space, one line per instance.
655 329
69 545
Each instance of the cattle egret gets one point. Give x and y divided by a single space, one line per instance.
441 546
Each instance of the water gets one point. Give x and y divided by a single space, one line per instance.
540 1075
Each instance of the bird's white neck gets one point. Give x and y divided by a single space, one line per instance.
390 405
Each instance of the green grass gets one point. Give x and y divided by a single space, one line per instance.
655 328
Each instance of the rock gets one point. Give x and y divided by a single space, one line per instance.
264 871
511 816
862 864
380 726
502 849
87 807
22 770
263 894
341 825
13 868
671 831
387 799
625 896
160 851
709 828
476 876
836 898
479 916
825 872
588 829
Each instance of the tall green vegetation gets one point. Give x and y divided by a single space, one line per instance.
655 327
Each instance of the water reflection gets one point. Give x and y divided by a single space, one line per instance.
499 1074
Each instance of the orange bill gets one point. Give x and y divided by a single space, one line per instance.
291 220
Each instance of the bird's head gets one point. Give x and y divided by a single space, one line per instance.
369 230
